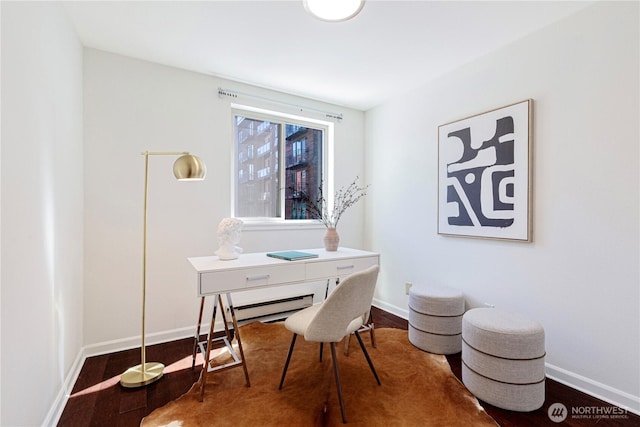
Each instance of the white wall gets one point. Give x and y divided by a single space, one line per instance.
132 106
41 210
580 275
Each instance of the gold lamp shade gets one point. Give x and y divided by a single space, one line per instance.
189 168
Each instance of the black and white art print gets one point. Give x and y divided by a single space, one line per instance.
484 174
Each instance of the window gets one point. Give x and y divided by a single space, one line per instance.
276 158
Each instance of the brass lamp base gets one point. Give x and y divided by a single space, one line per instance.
137 377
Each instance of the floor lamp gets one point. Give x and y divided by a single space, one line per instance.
186 168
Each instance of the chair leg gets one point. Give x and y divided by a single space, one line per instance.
336 373
369 325
347 340
366 354
286 365
372 330
321 348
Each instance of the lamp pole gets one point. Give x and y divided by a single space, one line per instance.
186 168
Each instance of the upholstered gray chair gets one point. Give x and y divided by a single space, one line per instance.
341 314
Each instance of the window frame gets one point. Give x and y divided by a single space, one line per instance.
274 116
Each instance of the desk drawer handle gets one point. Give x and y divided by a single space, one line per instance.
264 277
346 267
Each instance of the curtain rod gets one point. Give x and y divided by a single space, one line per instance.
234 94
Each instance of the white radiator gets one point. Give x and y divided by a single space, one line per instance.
273 310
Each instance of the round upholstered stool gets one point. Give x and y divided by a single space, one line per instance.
503 358
435 318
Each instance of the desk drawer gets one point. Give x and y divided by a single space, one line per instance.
338 268
230 280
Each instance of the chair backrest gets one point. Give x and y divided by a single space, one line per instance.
350 300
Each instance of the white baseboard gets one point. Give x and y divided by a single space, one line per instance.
55 412
150 339
593 388
389 308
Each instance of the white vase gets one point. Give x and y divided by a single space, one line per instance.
331 239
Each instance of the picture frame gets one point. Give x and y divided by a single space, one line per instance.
485 174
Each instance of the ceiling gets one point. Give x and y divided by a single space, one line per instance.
391 47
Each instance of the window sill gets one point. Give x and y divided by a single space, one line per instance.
278 224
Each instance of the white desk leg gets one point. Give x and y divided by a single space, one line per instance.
227 332
197 337
237 333
205 366
227 341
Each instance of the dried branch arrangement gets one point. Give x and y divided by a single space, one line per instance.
317 208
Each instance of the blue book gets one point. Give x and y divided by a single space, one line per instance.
292 255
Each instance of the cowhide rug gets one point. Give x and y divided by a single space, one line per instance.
418 388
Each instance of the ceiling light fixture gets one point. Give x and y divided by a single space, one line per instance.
333 10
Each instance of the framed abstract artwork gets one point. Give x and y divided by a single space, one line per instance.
484 174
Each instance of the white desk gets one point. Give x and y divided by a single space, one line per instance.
256 270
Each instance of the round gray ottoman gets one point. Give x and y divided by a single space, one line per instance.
503 358
435 318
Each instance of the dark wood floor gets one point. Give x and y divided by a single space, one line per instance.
98 399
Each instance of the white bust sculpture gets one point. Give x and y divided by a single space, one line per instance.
229 231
